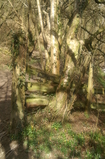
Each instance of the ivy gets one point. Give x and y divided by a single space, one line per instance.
21 79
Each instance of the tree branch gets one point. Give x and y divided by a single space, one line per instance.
88 41
100 1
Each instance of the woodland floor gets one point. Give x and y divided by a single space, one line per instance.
49 139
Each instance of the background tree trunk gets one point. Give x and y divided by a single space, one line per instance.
54 39
43 35
90 86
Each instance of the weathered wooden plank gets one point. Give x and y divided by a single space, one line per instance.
34 82
36 96
98 106
36 102
40 87
32 70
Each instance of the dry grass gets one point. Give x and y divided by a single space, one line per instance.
78 137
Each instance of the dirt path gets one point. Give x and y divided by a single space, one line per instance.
5 96
8 149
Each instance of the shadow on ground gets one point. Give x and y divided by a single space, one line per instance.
13 149
8 148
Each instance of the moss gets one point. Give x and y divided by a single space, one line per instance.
39 87
33 102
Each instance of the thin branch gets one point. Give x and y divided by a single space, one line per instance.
15 10
100 1
24 4
48 20
101 51
19 17
88 41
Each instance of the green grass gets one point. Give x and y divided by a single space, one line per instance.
64 140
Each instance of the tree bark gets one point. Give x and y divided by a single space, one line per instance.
70 63
71 58
90 87
54 39
43 35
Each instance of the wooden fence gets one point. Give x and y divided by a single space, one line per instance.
34 85
48 87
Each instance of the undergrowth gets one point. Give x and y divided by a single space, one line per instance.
62 140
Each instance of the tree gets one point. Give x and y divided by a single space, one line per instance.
76 34
54 38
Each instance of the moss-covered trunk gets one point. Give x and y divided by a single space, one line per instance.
18 82
70 63
71 57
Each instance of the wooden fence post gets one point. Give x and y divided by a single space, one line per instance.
19 49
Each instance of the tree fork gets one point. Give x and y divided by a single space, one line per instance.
71 58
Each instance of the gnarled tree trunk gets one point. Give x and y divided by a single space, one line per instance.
71 59
70 63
